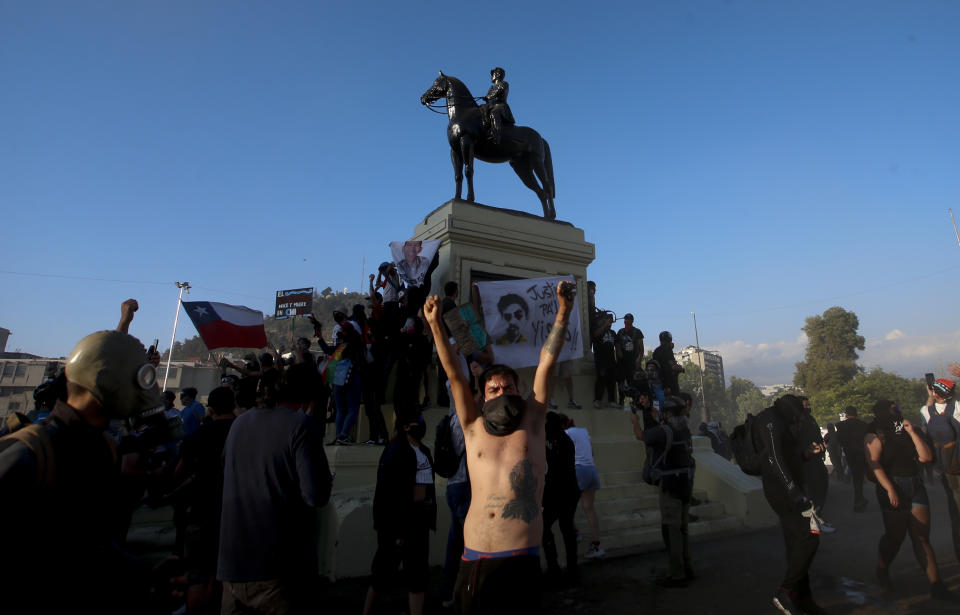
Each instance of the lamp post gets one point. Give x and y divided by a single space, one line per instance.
701 364
183 286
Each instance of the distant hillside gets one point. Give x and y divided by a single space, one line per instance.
280 333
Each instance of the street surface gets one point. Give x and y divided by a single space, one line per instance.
739 574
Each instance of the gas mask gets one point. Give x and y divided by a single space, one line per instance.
502 415
113 366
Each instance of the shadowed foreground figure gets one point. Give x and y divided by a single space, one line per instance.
526 151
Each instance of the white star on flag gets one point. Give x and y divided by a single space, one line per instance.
200 310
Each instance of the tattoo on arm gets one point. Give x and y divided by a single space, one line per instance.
556 338
524 505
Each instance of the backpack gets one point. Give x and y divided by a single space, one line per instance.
745 452
653 469
446 460
37 439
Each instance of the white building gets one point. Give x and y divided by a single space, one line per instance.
709 361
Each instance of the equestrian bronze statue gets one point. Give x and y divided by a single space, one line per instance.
489 134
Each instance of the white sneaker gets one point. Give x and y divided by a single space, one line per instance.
573 405
595 551
614 404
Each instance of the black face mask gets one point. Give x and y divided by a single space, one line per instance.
502 415
418 430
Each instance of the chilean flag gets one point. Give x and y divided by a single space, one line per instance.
220 325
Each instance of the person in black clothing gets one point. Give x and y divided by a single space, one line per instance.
777 434
815 475
676 485
560 496
200 473
629 352
851 433
669 368
605 361
404 513
895 447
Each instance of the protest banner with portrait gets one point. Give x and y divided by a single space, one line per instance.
519 314
413 259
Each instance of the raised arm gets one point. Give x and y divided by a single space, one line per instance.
127 308
551 348
459 387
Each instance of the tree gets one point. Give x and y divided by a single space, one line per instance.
864 390
831 357
751 402
718 404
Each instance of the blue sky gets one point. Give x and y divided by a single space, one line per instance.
755 162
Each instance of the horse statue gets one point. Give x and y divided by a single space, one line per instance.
526 151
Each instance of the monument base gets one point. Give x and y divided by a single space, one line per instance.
481 243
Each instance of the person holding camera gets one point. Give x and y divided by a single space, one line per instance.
671 441
604 360
895 449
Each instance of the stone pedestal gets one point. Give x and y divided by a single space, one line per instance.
481 243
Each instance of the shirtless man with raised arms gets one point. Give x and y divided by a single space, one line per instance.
506 459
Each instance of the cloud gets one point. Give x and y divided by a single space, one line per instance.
897 351
762 362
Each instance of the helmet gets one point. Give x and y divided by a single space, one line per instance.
666 336
114 368
496 70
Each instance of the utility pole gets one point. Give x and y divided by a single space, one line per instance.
954 226
702 364
183 286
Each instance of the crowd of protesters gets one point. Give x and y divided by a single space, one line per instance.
245 474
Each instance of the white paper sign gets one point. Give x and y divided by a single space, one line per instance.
413 259
519 314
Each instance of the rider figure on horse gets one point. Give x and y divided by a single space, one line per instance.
496 108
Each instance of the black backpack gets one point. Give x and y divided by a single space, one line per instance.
446 460
745 453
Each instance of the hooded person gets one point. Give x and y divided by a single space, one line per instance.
778 433
63 475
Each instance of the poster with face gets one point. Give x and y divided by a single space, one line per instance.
413 259
519 314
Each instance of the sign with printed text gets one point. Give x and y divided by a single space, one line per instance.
519 314
293 302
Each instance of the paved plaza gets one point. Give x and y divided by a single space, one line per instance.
738 574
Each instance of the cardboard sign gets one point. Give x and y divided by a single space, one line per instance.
466 329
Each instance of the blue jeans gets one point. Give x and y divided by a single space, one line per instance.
458 499
347 399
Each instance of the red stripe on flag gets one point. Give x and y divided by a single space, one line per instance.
220 333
